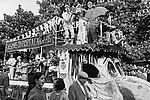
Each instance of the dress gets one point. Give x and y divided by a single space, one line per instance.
61 95
37 94
68 24
11 63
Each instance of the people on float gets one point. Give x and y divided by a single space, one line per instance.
11 64
117 37
78 91
82 33
37 92
57 25
59 90
91 27
37 62
68 25
18 68
4 81
53 61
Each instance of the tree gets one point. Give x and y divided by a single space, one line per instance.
15 25
143 29
19 23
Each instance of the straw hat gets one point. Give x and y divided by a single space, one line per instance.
83 74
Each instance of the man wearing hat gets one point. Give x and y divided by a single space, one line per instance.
77 91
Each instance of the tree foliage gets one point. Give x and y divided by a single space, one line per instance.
17 24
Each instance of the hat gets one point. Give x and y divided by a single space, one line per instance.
83 74
66 5
51 51
89 2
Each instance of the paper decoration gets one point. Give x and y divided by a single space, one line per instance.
17 38
33 32
23 36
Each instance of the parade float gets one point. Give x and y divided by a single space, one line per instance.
106 78
101 61
20 45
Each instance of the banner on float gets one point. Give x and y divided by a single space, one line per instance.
32 42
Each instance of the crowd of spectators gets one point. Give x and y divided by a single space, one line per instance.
20 68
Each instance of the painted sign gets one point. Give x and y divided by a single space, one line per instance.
30 42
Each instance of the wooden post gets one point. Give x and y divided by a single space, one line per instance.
56 38
101 31
5 54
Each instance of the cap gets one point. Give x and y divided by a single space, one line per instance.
83 74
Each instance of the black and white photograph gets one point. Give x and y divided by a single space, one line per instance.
75 50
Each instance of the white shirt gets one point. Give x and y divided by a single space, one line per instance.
11 61
67 16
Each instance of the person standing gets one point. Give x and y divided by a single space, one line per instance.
11 64
37 92
91 26
68 26
59 90
31 81
4 82
78 91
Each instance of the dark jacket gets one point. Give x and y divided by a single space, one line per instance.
4 80
37 94
76 93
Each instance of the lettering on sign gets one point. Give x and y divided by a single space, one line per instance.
30 42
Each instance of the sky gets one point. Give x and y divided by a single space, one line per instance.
9 7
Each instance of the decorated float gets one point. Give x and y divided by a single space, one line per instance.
21 47
101 61
106 78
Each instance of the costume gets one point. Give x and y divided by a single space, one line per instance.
11 63
37 94
68 24
76 93
82 34
92 32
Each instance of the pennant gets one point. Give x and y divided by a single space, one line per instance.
39 28
147 10
109 19
46 28
33 32
23 36
17 38
14 39
29 33
43 27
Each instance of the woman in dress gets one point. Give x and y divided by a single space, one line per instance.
59 90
